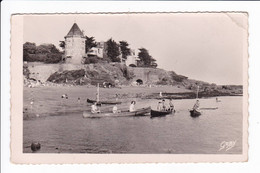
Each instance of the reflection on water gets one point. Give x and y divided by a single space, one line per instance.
178 133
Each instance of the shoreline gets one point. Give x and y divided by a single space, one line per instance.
44 101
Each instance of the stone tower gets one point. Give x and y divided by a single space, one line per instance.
74 45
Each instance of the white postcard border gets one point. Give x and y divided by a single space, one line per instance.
17 155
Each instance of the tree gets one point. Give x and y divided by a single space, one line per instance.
62 44
125 50
146 60
53 49
89 43
47 53
53 58
113 50
28 48
46 48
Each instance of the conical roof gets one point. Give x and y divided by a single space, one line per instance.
75 31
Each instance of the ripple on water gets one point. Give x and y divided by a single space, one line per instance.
177 134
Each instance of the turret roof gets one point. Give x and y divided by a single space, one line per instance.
75 31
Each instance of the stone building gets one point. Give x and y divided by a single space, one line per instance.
75 51
74 45
132 59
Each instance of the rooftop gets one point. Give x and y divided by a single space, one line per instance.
75 31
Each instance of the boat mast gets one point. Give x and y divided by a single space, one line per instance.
98 92
197 95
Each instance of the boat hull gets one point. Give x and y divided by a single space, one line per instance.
194 113
155 113
104 102
138 112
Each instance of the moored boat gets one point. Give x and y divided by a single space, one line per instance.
194 113
138 112
104 102
155 113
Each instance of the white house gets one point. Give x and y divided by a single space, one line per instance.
98 51
95 51
132 58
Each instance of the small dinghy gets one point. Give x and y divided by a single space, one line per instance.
104 102
155 113
194 113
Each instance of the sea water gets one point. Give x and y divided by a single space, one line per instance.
178 133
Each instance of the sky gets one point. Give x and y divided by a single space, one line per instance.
204 46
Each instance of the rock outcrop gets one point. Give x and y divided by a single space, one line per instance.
116 74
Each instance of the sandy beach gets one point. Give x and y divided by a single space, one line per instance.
44 101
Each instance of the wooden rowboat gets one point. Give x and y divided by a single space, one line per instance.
104 102
194 113
138 112
155 113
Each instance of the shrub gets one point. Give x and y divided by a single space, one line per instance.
161 82
177 78
53 58
35 57
72 75
91 60
106 60
95 60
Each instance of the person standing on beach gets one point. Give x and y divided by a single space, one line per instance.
132 107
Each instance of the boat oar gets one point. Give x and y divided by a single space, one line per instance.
209 108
